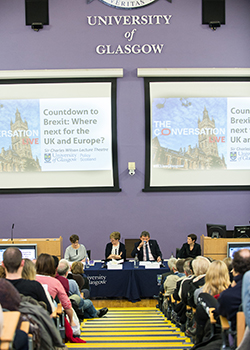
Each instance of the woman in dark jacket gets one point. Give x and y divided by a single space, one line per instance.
191 248
115 249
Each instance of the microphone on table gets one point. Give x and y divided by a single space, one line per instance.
104 265
12 233
76 251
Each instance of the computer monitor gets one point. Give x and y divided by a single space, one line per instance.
29 251
241 231
232 247
215 230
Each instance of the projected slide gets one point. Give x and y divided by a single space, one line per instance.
199 134
57 135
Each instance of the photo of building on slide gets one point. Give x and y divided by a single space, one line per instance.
194 133
16 142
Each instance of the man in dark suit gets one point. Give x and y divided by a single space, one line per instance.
147 249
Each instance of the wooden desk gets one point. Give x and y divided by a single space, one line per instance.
216 248
10 320
52 246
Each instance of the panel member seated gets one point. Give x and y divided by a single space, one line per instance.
191 248
76 251
115 249
147 249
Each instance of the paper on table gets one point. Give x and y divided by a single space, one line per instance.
114 266
150 264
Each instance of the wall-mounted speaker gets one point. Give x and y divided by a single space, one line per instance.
37 11
213 11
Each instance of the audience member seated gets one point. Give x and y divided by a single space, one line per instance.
216 281
29 273
147 249
244 345
64 281
230 299
160 297
171 280
76 271
182 315
45 268
115 249
1 320
188 274
10 300
46 336
29 270
76 251
228 302
85 305
13 263
200 266
191 248
178 307
229 262
171 264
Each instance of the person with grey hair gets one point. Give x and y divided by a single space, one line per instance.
62 274
200 266
172 263
188 273
84 305
63 267
171 280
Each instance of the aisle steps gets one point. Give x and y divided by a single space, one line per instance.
130 329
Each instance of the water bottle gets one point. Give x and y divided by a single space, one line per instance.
87 263
136 262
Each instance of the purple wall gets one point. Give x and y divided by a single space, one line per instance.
69 42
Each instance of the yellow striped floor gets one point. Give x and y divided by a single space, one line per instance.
130 329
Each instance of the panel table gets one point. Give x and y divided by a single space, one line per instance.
130 283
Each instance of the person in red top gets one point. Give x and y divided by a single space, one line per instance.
45 268
85 305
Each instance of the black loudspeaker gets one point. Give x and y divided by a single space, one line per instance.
37 11
213 11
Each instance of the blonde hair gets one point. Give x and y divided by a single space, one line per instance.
200 265
228 261
172 263
217 278
29 270
115 235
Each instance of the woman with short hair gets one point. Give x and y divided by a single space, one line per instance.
76 251
115 249
191 249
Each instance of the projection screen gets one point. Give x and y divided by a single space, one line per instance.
197 133
58 134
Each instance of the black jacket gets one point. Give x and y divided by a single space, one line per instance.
185 251
121 249
154 247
